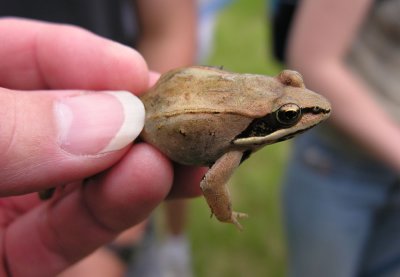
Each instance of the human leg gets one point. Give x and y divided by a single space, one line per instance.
329 209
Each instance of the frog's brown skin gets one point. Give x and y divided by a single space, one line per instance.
207 116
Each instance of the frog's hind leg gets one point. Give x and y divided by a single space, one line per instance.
216 191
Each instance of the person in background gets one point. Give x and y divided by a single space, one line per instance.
342 190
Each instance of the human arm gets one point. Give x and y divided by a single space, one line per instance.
167 33
321 36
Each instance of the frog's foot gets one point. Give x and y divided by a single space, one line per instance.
234 219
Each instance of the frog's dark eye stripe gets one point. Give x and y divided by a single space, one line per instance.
260 127
315 110
283 118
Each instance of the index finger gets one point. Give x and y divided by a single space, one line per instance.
36 55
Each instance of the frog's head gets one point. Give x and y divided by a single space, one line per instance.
294 111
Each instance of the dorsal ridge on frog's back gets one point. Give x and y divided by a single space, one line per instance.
211 90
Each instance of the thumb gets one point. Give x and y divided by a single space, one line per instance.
50 138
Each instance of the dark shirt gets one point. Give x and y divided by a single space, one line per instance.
282 17
113 19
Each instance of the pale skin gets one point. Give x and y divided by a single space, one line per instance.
322 34
167 33
41 237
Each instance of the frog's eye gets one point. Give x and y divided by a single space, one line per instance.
288 114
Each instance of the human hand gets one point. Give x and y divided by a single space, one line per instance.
54 132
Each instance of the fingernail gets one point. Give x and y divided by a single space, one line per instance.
99 122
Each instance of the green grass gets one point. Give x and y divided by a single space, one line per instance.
241 45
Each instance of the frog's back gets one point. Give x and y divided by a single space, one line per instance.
210 90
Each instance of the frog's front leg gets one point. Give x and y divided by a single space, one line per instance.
215 190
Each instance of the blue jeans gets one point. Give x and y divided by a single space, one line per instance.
341 210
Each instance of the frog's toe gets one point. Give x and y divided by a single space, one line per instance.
234 219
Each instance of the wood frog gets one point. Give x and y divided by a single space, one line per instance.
210 117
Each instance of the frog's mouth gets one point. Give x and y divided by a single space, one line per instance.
268 130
